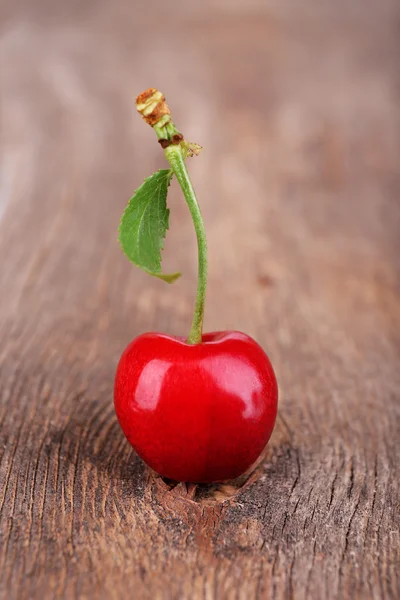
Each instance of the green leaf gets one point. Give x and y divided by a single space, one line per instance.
144 224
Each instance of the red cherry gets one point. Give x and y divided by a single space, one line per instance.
201 412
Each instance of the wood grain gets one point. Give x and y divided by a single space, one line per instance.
297 107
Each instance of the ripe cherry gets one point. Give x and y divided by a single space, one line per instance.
201 412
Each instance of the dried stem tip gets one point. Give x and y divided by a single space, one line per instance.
152 106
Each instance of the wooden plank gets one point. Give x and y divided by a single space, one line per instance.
298 114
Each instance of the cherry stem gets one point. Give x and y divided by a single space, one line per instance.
175 156
154 110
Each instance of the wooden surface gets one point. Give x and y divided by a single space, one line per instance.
297 107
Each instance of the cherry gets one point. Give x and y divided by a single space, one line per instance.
201 412
200 409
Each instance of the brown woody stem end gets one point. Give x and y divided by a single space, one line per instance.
152 106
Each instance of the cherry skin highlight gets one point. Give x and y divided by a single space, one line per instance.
196 412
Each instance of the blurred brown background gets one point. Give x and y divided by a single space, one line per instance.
297 107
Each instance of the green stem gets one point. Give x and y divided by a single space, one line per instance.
153 108
175 157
